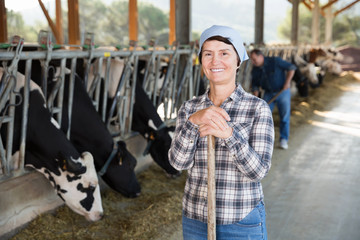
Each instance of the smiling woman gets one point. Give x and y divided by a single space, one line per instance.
243 127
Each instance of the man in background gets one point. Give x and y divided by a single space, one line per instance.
274 76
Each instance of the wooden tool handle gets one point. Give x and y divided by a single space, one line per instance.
211 189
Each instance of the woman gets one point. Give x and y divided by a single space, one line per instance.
243 127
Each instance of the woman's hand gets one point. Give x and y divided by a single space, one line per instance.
212 121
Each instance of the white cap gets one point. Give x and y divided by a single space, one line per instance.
227 32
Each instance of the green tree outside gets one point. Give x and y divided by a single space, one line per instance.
346 28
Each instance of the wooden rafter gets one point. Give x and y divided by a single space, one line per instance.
308 4
50 21
344 8
330 3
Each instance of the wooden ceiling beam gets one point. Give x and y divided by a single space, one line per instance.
330 3
51 23
347 7
308 5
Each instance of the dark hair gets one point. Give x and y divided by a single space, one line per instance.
257 51
220 39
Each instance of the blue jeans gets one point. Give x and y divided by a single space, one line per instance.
252 227
283 103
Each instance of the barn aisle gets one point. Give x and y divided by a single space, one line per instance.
312 189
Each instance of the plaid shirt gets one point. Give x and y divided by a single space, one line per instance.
242 160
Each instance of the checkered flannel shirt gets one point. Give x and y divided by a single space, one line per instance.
242 160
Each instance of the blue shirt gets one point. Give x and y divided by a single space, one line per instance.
272 75
242 159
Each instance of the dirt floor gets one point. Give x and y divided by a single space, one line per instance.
156 214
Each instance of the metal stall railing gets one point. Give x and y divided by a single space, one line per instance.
123 101
8 95
167 89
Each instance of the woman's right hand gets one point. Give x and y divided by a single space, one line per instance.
211 118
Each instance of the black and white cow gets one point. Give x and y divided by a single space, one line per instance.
331 62
48 151
148 123
89 133
145 118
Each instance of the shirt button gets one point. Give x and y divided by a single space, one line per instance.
191 141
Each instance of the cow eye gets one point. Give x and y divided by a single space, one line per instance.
92 187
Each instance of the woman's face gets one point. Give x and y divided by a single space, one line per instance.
219 61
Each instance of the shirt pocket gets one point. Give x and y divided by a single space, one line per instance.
243 129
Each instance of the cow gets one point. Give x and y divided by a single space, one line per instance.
89 133
145 119
148 123
331 62
302 83
49 152
308 69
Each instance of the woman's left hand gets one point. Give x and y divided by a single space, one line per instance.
206 130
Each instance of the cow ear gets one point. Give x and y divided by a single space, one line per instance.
87 157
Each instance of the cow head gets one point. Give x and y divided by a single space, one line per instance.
159 142
80 192
310 72
120 174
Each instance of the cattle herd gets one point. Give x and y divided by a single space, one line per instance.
312 66
73 157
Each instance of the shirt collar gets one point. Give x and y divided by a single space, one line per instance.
236 95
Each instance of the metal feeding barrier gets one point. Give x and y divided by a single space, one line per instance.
169 76
64 62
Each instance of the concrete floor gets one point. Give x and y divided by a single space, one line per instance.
312 189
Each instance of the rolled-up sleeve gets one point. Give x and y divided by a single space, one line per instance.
252 156
183 145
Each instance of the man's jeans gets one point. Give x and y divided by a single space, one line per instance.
251 227
283 103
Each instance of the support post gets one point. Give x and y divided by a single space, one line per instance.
133 20
183 21
172 22
3 23
295 22
259 22
329 16
315 23
59 23
73 26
